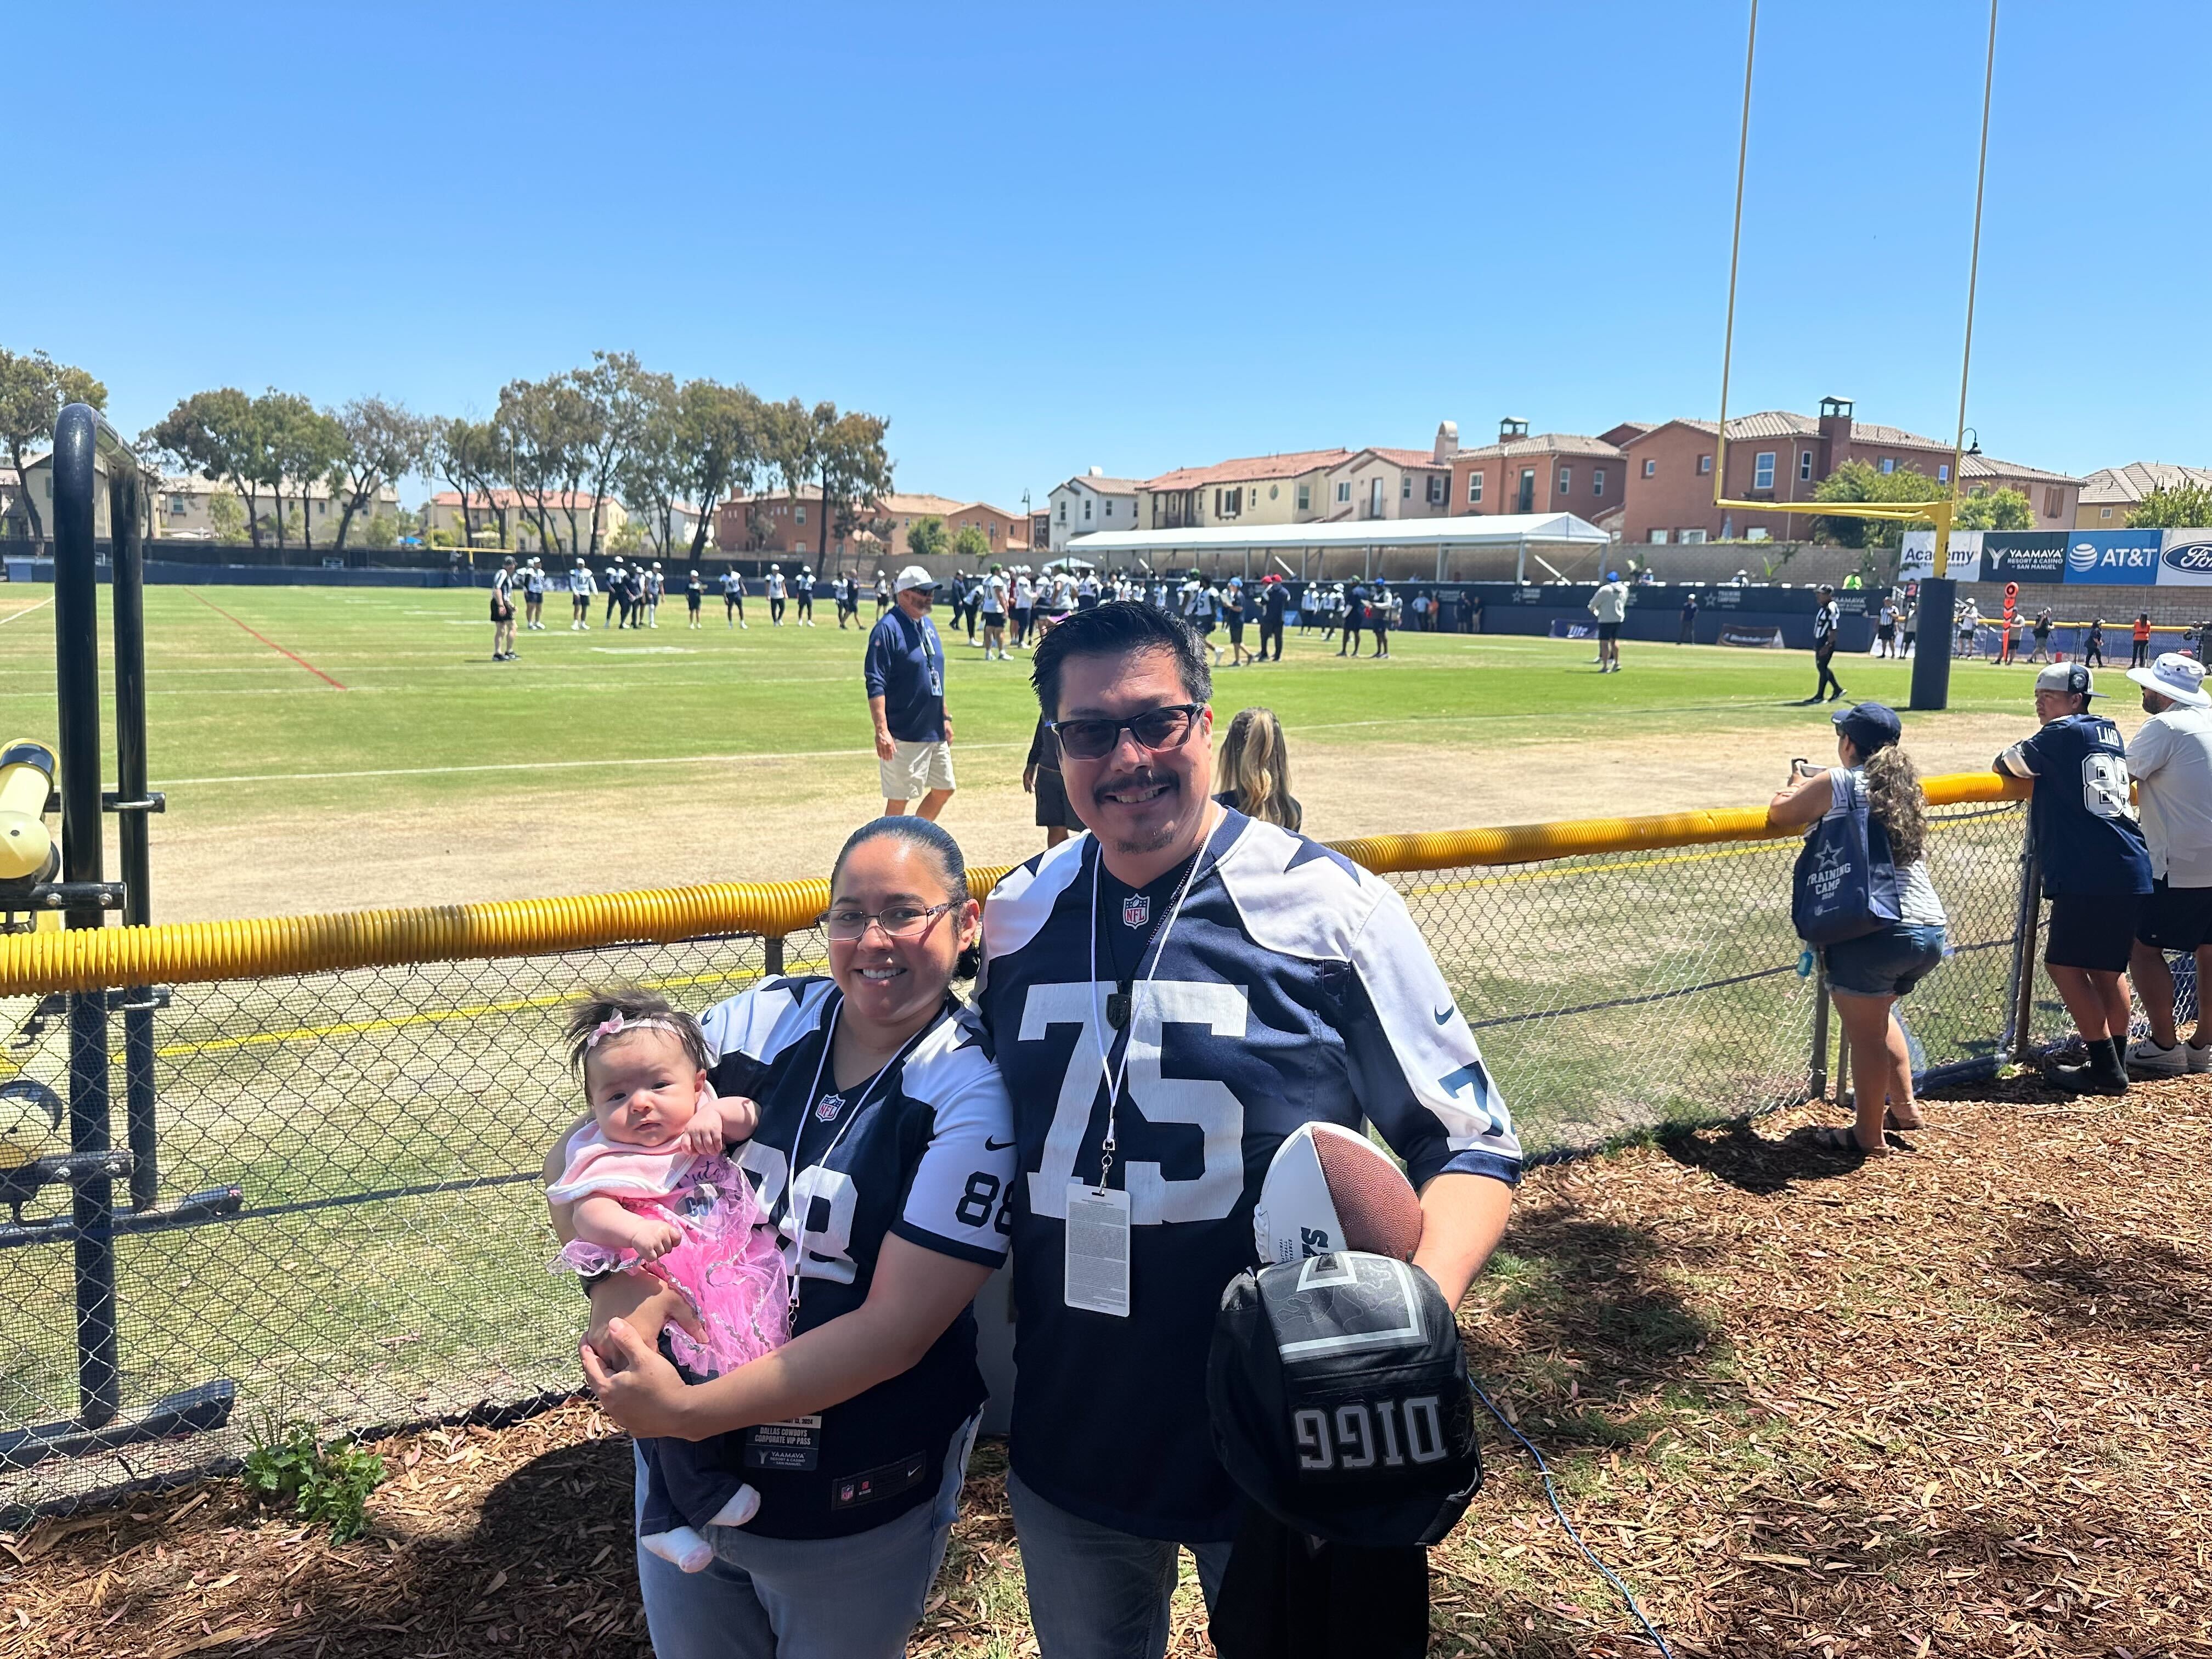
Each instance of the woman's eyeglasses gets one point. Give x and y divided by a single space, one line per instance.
1155 729
897 920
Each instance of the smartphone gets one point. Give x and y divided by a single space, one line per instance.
1802 767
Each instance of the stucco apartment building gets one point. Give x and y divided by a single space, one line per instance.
1548 473
1090 501
443 512
1394 483
775 523
1779 456
2111 493
182 505
1286 488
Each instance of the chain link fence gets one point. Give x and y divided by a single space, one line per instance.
384 1260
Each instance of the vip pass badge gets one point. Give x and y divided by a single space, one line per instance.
1096 1256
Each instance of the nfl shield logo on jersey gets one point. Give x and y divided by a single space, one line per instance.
830 1106
1136 909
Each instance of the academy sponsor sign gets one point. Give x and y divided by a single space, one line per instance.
2126 558
1965 564
2185 559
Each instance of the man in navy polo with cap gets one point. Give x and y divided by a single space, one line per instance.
905 676
2096 869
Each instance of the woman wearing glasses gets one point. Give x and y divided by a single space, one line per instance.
882 1112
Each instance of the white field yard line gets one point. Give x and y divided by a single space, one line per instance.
16 615
783 755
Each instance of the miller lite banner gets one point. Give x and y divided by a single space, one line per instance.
2185 560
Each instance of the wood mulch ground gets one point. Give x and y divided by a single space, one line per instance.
1950 1402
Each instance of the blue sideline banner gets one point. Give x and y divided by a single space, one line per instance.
2023 555
2115 558
2185 560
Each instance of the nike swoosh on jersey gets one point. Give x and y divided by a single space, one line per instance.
991 1145
1443 1016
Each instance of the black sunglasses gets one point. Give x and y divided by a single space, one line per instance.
1155 729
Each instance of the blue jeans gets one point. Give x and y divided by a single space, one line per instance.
1095 1592
857 1597
1886 962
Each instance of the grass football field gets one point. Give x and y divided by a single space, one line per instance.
324 748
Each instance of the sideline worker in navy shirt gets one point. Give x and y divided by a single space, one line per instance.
905 675
1168 997
2096 868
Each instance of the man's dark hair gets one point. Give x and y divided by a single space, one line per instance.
1120 628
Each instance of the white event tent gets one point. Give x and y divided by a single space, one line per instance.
1522 531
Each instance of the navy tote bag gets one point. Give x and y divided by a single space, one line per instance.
1846 883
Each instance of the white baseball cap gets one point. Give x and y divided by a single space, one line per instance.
2175 675
913 576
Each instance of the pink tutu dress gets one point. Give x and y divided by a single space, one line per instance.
728 1264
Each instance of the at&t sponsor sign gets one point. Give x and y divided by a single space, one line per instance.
2115 557
2185 560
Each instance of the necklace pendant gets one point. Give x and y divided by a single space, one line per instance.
829 1107
1117 1009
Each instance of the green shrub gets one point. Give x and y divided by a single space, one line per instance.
327 1483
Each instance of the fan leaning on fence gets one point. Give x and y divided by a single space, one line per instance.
1863 900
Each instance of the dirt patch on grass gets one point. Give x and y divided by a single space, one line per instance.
1953 1401
291 848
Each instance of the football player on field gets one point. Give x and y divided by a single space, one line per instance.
1169 998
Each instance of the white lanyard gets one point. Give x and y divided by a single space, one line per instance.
814 1102
1115 1075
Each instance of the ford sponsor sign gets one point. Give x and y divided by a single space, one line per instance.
2125 558
2186 559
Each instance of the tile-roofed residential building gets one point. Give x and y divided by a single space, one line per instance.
1545 472
1778 455
2111 493
1090 501
1284 489
513 515
775 525
1381 482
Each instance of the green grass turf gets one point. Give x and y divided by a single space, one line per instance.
422 695
307 1089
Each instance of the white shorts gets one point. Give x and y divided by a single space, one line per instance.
915 769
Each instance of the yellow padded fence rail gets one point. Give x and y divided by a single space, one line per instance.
32 964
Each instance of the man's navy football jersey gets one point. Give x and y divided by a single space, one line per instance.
928 1158
1293 988
2086 838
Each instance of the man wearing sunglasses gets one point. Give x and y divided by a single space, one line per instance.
1169 998
905 676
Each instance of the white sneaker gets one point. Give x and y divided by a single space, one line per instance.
2146 1056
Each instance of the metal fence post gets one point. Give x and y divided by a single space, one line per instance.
772 954
1816 1085
2027 921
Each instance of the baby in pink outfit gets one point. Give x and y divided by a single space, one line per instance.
650 1187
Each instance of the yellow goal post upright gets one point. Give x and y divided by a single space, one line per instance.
1930 684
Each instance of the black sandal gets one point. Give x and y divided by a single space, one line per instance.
1828 1138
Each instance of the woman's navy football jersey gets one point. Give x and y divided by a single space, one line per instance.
1293 988
2086 838
928 1159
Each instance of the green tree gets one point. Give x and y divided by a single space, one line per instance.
383 444
221 435
926 538
2184 507
306 447
552 433
969 546
225 515
720 429
855 473
472 457
34 389
652 477
631 537
1860 481
380 530
1998 509
620 394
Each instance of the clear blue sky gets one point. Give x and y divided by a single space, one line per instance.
1042 237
